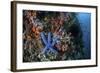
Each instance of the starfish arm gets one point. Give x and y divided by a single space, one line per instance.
53 50
43 38
49 38
54 41
44 49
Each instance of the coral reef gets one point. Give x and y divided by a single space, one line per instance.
51 36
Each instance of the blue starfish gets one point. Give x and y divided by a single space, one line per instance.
48 43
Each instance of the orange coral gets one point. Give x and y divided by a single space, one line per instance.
36 30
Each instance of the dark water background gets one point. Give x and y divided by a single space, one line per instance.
85 23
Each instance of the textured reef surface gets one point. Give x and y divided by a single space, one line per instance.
54 36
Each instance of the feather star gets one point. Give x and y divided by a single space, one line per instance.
48 43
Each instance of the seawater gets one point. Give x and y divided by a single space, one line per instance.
85 24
